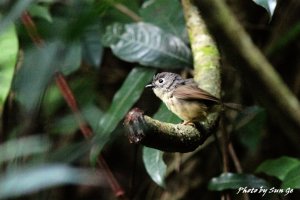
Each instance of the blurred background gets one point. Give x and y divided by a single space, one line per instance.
71 70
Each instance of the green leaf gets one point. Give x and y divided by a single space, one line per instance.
234 181
8 58
34 75
278 167
65 125
92 46
92 114
165 14
165 115
269 5
249 125
287 38
123 100
292 178
155 165
12 14
147 45
23 147
23 181
52 100
71 59
41 11
38 68
70 153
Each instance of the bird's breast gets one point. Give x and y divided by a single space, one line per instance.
187 110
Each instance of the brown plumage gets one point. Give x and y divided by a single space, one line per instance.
183 97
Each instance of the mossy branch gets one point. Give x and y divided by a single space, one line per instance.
178 137
265 83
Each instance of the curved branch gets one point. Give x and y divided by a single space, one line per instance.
160 135
178 137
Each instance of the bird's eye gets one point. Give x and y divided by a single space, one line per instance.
160 80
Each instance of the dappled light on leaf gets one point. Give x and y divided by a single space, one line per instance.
278 167
23 181
148 45
8 58
27 146
155 166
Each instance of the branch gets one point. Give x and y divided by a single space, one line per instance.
178 137
160 135
263 80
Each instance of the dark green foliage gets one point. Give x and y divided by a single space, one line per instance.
249 125
165 14
235 181
286 169
108 54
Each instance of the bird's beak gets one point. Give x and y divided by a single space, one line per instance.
149 86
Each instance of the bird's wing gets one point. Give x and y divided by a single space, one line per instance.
193 93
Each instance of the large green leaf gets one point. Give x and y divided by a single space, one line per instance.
278 167
147 45
123 100
38 68
165 14
152 158
23 181
292 178
155 166
8 58
14 149
234 181
269 5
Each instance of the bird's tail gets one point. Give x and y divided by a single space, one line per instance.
233 106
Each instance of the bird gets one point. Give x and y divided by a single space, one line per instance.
184 98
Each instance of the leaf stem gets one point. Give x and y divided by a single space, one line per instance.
125 10
72 103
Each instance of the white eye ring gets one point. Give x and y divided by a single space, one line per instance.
160 80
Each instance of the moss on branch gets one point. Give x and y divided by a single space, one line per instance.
264 82
178 137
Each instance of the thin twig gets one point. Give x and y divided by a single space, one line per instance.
31 29
234 158
125 10
224 147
